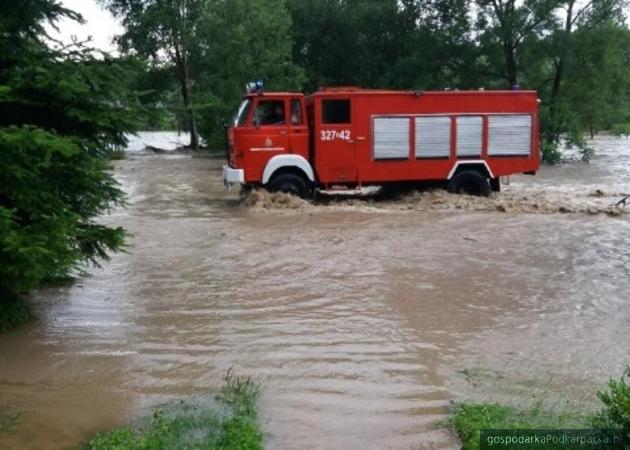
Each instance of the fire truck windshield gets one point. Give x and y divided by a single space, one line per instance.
243 111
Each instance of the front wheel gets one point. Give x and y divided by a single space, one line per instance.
290 184
495 184
469 182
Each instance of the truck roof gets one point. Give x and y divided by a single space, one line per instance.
360 91
274 94
353 90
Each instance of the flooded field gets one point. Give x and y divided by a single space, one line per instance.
364 319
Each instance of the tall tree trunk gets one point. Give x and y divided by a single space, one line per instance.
510 62
192 121
552 133
505 15
184 80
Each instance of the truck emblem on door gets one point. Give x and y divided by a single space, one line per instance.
268 142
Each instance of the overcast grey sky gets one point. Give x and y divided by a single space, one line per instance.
100 24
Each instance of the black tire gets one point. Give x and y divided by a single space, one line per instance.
495 184
291 184
469 182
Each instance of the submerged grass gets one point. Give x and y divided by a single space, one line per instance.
469 418
9 421
229 423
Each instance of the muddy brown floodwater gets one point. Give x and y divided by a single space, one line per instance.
364 319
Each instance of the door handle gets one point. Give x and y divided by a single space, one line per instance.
283 132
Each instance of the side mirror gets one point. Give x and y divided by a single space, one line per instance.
257 122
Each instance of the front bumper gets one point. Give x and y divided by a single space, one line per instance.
233 176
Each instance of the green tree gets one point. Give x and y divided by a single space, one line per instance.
241 40
351 42
62 110
505 26
550 45
598 83
440 50
165 31
213 48
570 44
159 95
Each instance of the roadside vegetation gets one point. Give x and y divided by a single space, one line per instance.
575 54
229 422
468 419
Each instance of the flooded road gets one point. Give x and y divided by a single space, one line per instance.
363 319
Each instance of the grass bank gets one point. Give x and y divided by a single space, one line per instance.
467 419
228 422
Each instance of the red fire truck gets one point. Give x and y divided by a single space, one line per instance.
348 138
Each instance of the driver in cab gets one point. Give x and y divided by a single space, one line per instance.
271 113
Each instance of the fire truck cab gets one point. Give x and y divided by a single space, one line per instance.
347 138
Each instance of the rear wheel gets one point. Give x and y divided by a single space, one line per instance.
469 182
289 183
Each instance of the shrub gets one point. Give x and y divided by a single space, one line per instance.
616 413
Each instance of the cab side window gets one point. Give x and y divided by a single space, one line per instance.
336 111
296 112
270 112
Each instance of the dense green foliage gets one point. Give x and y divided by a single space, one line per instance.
243 37
62 110
166 31
576 54
196 427
468 419
210 49
616 400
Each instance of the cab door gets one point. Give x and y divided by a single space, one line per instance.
334 141
298 133
268 136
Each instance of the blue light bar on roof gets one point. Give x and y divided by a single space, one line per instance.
255 86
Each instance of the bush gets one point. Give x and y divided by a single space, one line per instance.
468 419
13 311
616 413
550 152
230 424
621 129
